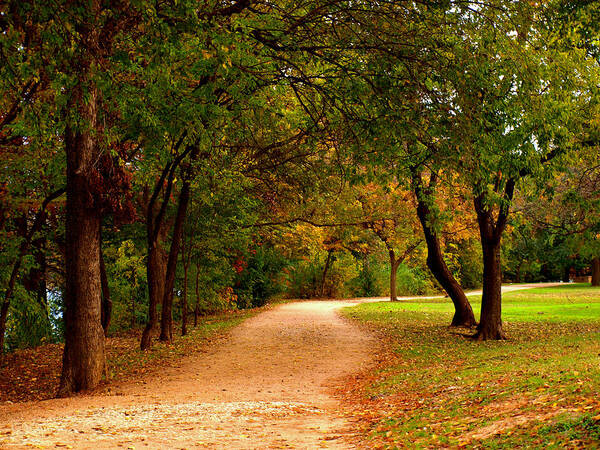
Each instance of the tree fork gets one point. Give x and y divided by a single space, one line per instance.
490 231
166 323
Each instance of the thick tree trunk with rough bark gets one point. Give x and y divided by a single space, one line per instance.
166 323
83 357
596 271
394 264
463 313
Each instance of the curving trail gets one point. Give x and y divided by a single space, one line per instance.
265 386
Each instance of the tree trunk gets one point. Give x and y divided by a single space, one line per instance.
106 313
156 263
197 308
324 276
184 307
394 264
567 274
463 313
132 324
83 356
155 272
3 317
490 324
43 283
596 271
166 323
490 231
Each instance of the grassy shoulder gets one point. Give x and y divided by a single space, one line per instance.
34 374
437 388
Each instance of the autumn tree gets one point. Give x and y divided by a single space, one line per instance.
514 110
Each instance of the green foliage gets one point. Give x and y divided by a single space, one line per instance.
305 277
584 428
127 281
371 279
470 265
414 281
29 323
283 132
261 279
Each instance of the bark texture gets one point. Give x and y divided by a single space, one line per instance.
83 357
490 325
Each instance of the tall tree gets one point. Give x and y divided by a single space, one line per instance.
515 104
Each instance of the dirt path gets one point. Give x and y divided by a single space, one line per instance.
266 386
505 288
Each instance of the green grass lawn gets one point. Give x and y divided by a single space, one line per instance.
436 388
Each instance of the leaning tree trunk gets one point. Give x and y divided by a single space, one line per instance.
156 265
394 264
166 323
463 313
596 271
83 356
